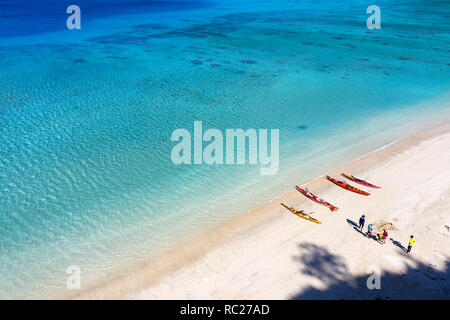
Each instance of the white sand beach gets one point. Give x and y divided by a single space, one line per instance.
272 254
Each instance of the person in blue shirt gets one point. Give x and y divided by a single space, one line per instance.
369 230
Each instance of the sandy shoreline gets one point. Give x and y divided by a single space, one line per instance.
272 254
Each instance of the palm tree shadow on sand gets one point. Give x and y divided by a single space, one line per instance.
417 281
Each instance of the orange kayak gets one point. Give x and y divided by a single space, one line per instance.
346 186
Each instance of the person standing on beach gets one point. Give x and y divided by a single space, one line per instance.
362 220
384 236
410 244
369 230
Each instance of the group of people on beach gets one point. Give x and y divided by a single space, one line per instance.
382 236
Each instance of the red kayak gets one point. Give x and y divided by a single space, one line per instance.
309 195
364 183
348 187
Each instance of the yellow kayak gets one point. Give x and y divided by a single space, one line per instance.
299 213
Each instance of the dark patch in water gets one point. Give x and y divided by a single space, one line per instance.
248 61
60 49
404 58
79 60
197 62
202 31
156 36
255 75
215 65
117 57
302 127
156 26
226 62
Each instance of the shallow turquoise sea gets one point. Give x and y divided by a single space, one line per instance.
86 116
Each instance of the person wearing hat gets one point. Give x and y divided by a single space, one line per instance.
362 220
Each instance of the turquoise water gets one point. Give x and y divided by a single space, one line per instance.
86 117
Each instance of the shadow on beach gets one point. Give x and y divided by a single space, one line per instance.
418 281
355 226
397 244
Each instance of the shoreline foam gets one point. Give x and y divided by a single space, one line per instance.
136 284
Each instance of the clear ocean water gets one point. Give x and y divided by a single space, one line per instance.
86 116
